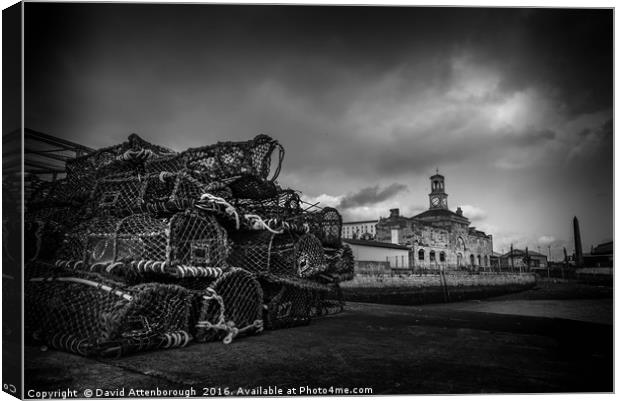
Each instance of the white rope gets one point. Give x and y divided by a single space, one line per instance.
258 223
229 209
86 282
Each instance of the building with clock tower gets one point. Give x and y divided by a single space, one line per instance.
438 237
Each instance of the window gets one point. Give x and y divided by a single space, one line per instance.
421 254
432 256
442 256
472 260
402 261
479 261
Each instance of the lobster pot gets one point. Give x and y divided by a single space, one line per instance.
289 303
230 306
187 244
44 230
284 207
230 159
155 193
340 263
118 160
286 254
329 302
252 187
118 195
165 192
92 316
327 226
58 193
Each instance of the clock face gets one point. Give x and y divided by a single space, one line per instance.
435 201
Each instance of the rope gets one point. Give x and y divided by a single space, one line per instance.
229 209
85 282
257 223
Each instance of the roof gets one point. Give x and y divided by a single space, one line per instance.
438 213
360 222
375 244
521 252
605 248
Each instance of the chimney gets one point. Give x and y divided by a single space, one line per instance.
394 212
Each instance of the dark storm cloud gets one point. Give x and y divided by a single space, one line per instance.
371 195
356 95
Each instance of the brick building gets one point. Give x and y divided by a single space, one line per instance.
438 237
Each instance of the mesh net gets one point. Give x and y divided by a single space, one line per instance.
88 314
186 244
155 193
122 160
288 304
230 159
284 254
232 305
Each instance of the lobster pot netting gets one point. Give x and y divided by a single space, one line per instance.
229 159
340 264
288 303
118 160
155 193
187 244
281 211
326 224
230 306
284 254
44 230
329 302
89 315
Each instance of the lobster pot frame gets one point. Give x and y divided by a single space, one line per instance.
284 254
92 316
289 303
229 159
186 245
230 306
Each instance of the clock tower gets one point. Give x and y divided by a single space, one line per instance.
438 197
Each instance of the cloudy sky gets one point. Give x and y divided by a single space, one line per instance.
513 106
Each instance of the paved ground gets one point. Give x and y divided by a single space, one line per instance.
517 343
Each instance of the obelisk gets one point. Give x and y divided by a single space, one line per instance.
578 249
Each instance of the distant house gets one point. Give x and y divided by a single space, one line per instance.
397 256
365 229
601 256
517 258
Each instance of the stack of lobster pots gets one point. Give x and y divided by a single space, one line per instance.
141 247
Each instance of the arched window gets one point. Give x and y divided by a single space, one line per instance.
432 256
471 260
460 244
421 254
442 256
486 260
479 261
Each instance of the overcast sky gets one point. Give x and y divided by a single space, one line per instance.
514 106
